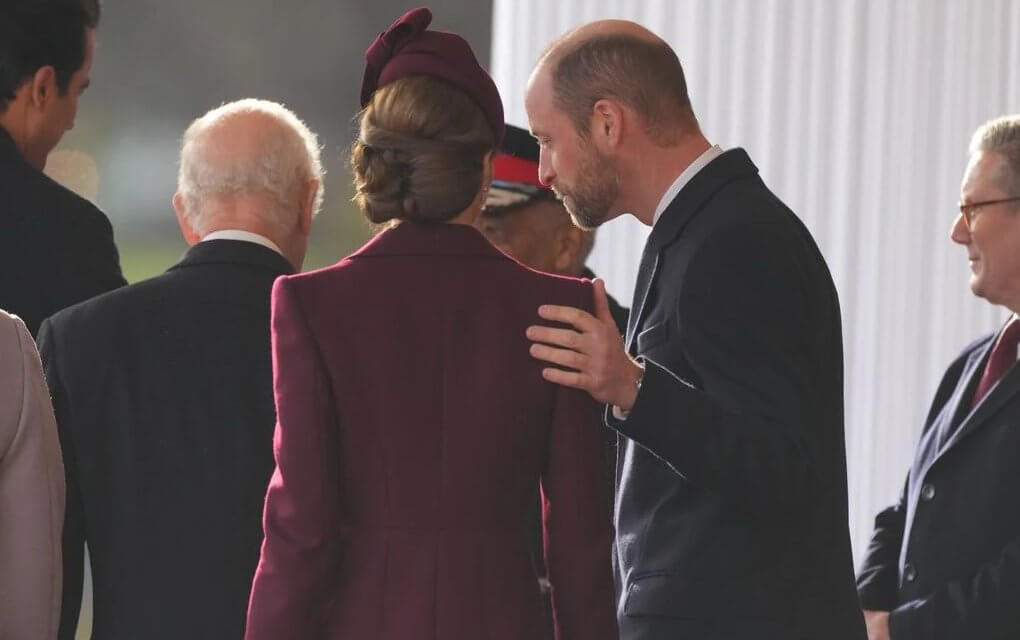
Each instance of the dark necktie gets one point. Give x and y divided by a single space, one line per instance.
1003 357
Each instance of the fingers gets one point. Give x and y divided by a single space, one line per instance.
560 337
582 320
602 302
566 378
562 357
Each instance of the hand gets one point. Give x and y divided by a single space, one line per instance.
593 348
877 623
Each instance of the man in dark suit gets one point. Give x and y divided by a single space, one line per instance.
163 390
944 561
56 248
731 509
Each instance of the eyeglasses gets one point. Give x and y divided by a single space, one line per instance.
970 210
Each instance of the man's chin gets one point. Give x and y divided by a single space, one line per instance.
586 219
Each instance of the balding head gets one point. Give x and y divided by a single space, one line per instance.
622 61
251 165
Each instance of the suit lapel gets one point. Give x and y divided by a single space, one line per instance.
729 166
1002 393
646 274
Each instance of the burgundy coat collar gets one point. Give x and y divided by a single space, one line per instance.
416 239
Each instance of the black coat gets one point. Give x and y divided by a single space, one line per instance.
164 403
945 560
56 248
731 509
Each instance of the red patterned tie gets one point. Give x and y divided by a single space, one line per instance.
1003 357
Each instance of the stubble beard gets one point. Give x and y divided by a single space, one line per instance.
598 187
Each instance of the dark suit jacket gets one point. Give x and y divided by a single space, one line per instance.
163 396
731 506
56 248
945 560
414 429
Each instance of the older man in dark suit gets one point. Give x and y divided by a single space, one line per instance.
163 390
56 248
731 506
944 561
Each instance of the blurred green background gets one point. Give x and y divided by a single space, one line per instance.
161 64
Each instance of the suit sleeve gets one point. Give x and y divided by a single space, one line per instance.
74 519
742 411
576 518
31 494
982 605
301 550
878 580
95 266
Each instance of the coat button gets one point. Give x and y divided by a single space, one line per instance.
928 492
909 573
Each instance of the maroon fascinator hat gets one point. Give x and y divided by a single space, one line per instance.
408 47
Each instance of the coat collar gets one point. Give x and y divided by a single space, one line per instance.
732 165
9 151
999 395
234 252
418 239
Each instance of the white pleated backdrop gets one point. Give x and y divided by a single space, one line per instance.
858 113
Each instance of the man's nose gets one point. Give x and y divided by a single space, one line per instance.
959 232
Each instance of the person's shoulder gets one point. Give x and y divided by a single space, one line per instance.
552 288
61 204
105 310
12 331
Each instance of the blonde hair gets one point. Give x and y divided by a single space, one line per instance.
420 152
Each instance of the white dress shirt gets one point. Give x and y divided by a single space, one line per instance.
685 176
247 236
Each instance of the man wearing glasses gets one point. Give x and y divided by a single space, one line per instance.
944 562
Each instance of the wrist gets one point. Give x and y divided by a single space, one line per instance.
630 392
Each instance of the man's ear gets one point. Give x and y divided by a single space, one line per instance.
607 124
43 86
189 233
569 240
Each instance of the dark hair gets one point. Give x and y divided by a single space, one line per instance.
420 152
645 75
40 33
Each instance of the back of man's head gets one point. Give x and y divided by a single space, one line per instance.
40 33
1002 136
251 165
635 68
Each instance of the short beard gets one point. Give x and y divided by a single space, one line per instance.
597 189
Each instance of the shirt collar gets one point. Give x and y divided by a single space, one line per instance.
685 176
245 236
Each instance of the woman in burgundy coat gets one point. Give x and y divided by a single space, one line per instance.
414 428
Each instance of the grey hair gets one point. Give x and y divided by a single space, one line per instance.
288 159
1002 135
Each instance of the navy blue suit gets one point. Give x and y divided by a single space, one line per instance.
945 559
731 509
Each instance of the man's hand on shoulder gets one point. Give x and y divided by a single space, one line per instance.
877 623
593 349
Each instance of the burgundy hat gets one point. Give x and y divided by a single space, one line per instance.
407 48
